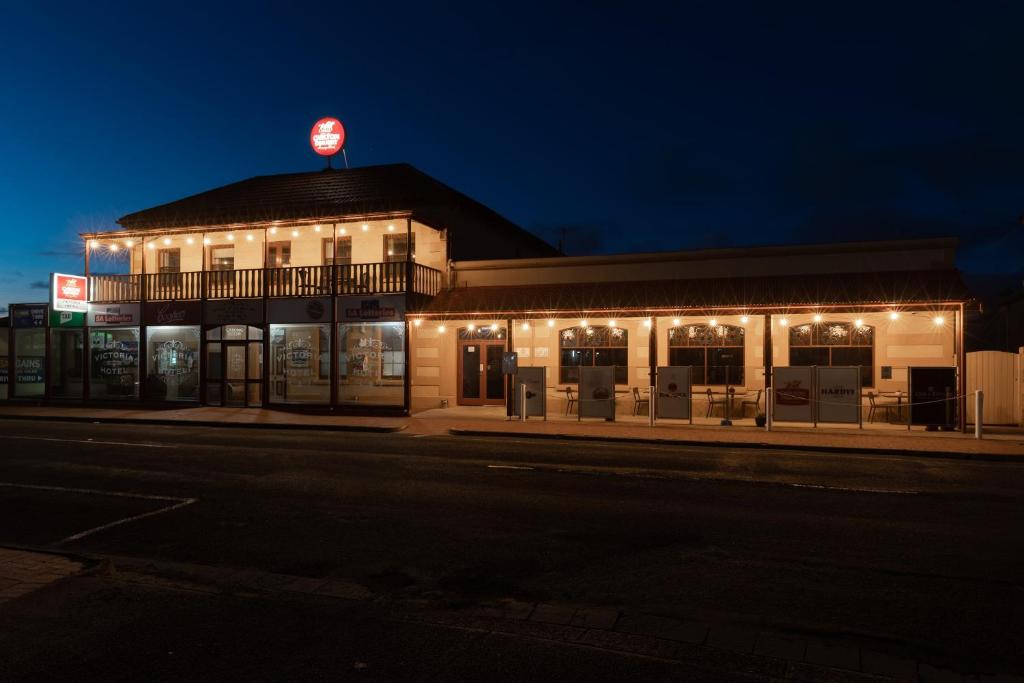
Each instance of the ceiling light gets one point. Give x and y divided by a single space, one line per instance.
894 316
189 240
783 322
343 231
316 228
440 328
713 322
494 327
647 322
858 323
167 240
551 322
526 325
583 323
817 317
939 320
206 240
273 231
151 245
417 322
471 327
129 243
231 238
676 322
365 227
744 319
92 244
248 238
113 246
391 228
295 233
611 323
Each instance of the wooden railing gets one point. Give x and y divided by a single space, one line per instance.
357 278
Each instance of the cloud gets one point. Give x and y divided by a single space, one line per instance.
39 284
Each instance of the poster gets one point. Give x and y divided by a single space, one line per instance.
597 392
838 393
792 388
674 393
536 397
29 369
933 397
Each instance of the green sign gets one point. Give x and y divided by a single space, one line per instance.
67 319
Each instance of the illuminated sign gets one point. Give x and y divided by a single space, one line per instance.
69 293
327 137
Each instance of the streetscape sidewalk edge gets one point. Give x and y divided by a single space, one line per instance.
863 450
376 429
90 563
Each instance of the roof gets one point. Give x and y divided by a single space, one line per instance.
741 293
334 194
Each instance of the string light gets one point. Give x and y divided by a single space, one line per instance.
744 319
611 323
676 321
343 231
713 322
273 231
248 238
129 243
471 327
113 246
783 322
167 240
417 322
151 245
365 227
92 244
817 317
295 233
858 323
207 240
391 228
526 326
231 237
583 323
939 320
316 228
647 322
440 329
189 240
494 327
551 322
894 316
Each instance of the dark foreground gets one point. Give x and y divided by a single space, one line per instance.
917 557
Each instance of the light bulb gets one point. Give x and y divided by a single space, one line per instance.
713 322
129 244
273 231
817 317
231 238
417 322
151 245
783 322
189 240
551 322
92 244
939 320
440 328
676 321
526 325
167 240
611 323
207 240
494 327
858 323
391 228
342 231
316 228
744 319
583 323
248 238
471 327
894 316
295 233
113 246
365 227
647 322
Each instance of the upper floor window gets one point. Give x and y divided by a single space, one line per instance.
168 260
279 254
834 343
222 257
590 346
342 251
396 247
716 354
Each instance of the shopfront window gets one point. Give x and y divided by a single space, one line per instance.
371 364
114 363
834 343
4 360
716 353
66 373
593 346
300 369
29 363
172 363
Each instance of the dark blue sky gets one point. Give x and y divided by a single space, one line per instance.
636 127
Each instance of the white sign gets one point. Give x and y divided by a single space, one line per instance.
838 391
674 394
792 390
101 315
69 293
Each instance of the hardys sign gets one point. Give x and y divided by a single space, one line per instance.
371 309
69 293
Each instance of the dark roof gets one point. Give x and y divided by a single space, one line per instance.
333 193
831 289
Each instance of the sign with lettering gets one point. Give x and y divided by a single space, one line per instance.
173 312
28 316
66 319
106 315
838 393
674 393
69 292
327 137
234 312
316 310
792 389
371 309
29 369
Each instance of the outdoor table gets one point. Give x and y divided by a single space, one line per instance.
898 395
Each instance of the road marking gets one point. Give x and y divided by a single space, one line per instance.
93 442
177 503
508 467
853 489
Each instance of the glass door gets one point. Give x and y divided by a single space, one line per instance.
481 381
243 370
494 380
470 370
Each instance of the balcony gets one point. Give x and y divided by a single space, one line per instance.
341 280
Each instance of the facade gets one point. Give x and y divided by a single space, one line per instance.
382 290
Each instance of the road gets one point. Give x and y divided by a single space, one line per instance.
920 555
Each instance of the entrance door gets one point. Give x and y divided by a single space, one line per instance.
480 379
243 370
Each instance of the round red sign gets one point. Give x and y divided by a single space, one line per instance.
327 137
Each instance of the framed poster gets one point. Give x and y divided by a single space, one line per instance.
792 389
838 392
674 393
933 397
597 392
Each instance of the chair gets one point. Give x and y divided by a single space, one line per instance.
639 402
712 401
570 400
874 404
748 401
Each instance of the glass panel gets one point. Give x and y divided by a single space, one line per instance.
255 360
495 380
114 363
234 366
371 363
300 364
255 333
66 372
29 363
693 357
222 258
471 371
213 393
234 393
279 254
255 396
856 355
725 366
234 332
213 333
214 361
172 363
811 355
396 247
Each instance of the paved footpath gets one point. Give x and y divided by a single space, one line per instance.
22 572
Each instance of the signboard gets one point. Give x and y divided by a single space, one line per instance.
107 315
791 394
597 392
509 363
234 312
66 319
674 393
69 293
933 397
371 309
173 312
28 316
29 369
536 392
300 310
116 362
838 392
327 137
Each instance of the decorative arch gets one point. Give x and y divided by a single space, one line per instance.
593 345
716 354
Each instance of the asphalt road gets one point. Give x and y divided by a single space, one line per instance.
921 555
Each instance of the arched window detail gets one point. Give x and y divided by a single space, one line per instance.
834 343
481 332
596 345
716 354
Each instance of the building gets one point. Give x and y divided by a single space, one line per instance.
382 290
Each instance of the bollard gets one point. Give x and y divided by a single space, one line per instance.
522 403
768 409
650 406
979 405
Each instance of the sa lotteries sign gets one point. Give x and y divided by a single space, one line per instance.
327 137
69 293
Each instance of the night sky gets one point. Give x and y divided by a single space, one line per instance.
632 126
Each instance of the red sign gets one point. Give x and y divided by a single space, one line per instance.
327 137
69 293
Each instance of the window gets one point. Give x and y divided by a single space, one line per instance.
716 354
592 346
222 257
371 363
396 247
342 254
168 260
279 254
300 363
834 343
172 363
114 363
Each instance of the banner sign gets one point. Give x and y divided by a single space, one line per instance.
300 310
597 392
792 388
234 312
536 393
69 293
371 309
173 312
28 316
674 393
66 319
838 393
29 369
933 397
106 315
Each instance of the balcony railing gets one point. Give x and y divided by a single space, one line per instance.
358 278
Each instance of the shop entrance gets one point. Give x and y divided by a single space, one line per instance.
480 379
234 369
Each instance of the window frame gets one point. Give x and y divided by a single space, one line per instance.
167 252
285 246
599 332
702 343
389 241
328 245
210 257
814 343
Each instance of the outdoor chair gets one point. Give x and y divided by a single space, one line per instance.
570 400
715 401
639 402
748 401
875 402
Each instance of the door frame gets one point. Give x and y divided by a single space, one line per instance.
244 344
482 400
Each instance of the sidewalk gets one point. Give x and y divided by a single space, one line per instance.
22 572
998 444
